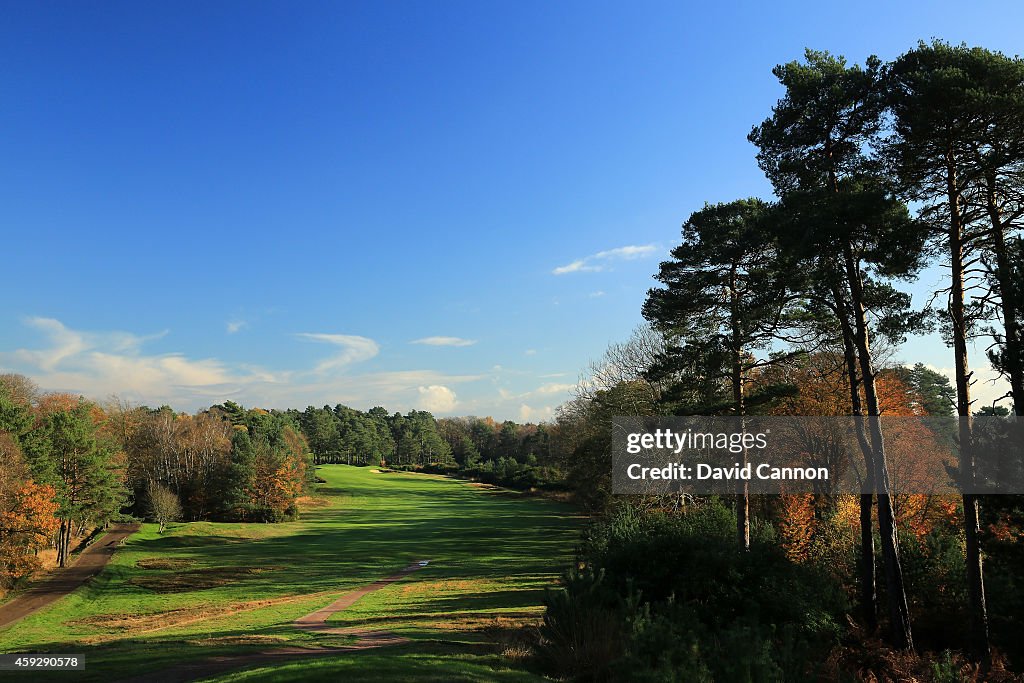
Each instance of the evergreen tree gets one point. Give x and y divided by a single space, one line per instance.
726 296
958 150
81 468
848 232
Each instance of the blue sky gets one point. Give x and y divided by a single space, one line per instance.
443 205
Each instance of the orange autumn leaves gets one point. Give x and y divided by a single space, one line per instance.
916 455
27 515
27 523
277 481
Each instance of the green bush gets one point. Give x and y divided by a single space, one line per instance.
933 568
693 606
582 634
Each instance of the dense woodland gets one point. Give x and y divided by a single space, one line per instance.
784 307
794 307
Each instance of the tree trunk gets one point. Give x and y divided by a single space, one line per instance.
60 543
978 614
739 408
899 613
868 589
1008 297
63 542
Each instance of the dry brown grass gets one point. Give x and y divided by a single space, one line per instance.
434 588
489 624
48 558
484 622
516 639
868 659
137 624
486 487
557 496
197 579
252 639
164 563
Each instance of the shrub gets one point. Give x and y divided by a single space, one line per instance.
692 606
582 634
933 568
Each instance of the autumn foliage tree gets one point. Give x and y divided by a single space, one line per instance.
27 515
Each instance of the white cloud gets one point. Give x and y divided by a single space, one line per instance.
354 349
598 293
599 261
437 398
101 364
544 390
629 252
530 352
987 386
577 266
554 388
444 341
528 413
234 326
67 343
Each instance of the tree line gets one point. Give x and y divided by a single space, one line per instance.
480 448
72 466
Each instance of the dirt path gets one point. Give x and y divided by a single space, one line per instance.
314 622
63 581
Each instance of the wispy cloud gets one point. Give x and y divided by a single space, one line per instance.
547 389
66 343
554 388
354 349
577 266
100 364
595 295
234 326
444 341
600 260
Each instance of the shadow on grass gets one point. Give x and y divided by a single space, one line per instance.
515 543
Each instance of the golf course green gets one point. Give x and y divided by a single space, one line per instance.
206 590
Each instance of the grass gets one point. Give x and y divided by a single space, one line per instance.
205 589
421 663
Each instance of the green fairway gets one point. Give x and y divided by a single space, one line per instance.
204 589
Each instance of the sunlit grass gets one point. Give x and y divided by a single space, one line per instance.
203 588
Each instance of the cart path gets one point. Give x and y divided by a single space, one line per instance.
61 582
314 622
